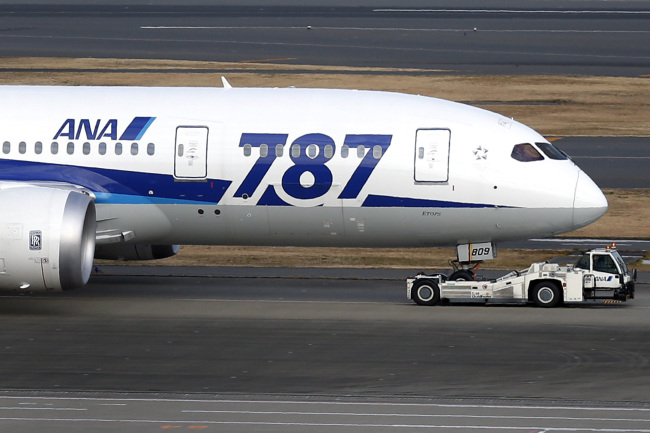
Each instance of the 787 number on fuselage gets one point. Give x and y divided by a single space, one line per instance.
310 153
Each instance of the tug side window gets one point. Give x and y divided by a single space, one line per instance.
604 263
583 263
525 153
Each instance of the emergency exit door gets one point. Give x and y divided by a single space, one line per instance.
191 160
432 155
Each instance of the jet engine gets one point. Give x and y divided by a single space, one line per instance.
47 237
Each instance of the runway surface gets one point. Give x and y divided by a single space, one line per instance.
149 414
304 341
612 162
505 37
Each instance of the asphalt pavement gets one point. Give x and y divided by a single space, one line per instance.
468 37
293 350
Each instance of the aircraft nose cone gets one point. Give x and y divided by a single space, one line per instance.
589 203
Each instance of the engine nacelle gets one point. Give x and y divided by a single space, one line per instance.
47 238
135 251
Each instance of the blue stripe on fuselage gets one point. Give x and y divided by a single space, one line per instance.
388 201
127 187
117 186
109 198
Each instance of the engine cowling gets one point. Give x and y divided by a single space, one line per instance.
47 238
135 251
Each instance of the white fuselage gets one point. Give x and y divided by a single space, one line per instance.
290 166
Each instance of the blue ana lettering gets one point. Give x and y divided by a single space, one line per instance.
98 129
66 130
90 133
110 130
83 130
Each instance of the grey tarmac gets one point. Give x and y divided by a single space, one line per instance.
612 162
468 37
281 350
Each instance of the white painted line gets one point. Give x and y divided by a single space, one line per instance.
586 241
387 29
513 11
408 415
342 403
43 408
313 424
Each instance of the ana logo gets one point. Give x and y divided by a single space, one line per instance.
604 278
35 240
99 129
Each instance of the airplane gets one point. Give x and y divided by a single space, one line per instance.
131 173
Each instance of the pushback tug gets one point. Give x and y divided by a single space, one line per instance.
599 274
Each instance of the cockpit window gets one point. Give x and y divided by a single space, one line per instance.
551 151
525 153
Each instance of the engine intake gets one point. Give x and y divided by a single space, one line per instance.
47 238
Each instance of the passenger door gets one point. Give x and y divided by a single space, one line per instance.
432 155
191 156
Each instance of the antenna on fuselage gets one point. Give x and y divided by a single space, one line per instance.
226 84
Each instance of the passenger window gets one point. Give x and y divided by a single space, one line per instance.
295 151
376 152
134 149
86 148
247 149
38 148
361 150
279 150
70 148
54 148
264 150
118 148
102 148
6 147
551 151
526 153
345 150
329 151
151 149
22 147
603 263
420 152
312 151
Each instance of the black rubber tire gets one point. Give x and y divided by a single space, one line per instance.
462 275
425 292
546 294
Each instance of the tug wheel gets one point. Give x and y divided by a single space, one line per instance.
425 292
546 294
